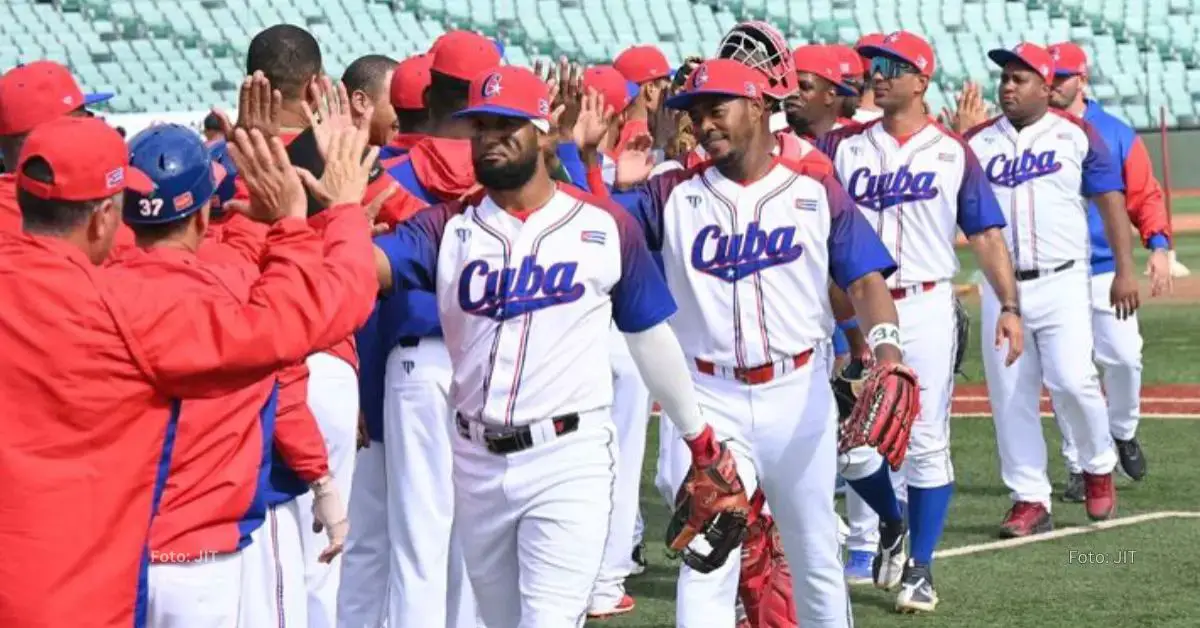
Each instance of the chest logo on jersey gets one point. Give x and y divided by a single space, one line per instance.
881 191
1028 166
511 292
732 257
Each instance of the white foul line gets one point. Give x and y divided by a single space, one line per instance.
1064 532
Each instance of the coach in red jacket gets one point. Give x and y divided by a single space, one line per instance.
96 363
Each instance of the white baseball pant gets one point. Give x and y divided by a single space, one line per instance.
273 590
1119 355
631 415
365 560
537 522
1056 312
202 593
428 579
333 399
783 434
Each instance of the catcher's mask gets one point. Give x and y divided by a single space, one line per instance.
762 47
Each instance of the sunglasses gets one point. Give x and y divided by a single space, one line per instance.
890 68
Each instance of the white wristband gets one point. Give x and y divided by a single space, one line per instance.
884 334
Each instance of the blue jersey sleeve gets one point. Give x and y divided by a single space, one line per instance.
841 344
854 248
1101 172
640 298
978 209
412 248
572 162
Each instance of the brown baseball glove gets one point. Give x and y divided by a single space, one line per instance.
711 513
889 402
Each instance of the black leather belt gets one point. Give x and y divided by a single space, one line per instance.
1026 275
507 440
408 342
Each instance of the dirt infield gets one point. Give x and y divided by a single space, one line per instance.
1166 400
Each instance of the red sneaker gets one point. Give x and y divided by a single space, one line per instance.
626 605
1024 519
1101 501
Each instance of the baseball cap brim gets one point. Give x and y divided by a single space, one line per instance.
541 124
97 98
844 90
1063 72
1003 57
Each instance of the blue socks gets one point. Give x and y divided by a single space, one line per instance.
927 509
876 489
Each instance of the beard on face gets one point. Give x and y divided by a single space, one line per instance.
797 122
506 175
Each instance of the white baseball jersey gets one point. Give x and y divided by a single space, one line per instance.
915 193
1043 175
526 301
749 264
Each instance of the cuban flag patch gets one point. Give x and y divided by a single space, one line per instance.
594 237
806 204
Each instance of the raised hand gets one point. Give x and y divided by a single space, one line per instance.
592 122
333 112
569 84
263 165
347 169
970 110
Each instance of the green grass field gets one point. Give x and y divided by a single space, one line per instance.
1187 205
1044 584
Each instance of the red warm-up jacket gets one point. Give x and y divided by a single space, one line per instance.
95 363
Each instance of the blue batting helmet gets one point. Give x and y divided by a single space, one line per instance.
175 159
218 152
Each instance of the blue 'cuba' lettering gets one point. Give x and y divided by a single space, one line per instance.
881 191
512 292
732 257
1013 172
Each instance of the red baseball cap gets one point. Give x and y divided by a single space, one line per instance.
409 82
642 63
38 92
822 61
88 161
906 47
618 91
1029 55
464 55
511 92
1069 59
723 77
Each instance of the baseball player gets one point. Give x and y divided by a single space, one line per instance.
647 68
1118 342
812 111
204 518
917 184
368 80
128 352
528 275
756 237
1033 151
